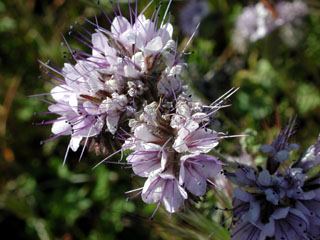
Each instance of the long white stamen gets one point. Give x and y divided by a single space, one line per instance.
66 155
165 14
107 158
134 190
146 7
85 144
190 39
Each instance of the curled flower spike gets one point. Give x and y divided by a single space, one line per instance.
279 150
170 142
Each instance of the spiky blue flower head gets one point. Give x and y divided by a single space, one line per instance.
279 202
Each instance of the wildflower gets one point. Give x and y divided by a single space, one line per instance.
169 143
133 63
279 202
164 188
257 21
131 80
264 208
290 11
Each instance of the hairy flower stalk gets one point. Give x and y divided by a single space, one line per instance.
280 202
133 63
170 143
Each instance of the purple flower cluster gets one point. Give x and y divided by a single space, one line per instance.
133 62
170 143
127 95
257 21
282 201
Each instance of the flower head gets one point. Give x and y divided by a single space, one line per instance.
170 142
134 62
279 202
257 21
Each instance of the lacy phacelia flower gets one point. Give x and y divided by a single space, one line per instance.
170 143
257 21
283 205
134 62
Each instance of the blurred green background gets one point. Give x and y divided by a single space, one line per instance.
40 199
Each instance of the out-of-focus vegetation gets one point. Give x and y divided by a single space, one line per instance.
40 199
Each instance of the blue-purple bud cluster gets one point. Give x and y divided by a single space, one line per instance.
281 201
